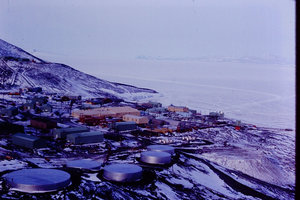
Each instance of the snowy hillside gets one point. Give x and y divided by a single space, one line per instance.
8 50
21 69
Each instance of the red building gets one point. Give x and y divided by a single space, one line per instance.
43 123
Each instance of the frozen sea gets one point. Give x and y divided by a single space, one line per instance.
260 94
256 93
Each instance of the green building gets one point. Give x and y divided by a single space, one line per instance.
85 137
28 141
63 132
124 126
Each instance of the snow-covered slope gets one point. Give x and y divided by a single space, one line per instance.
21 69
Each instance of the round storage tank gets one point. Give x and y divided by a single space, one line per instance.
162 148
37 180
84 164
155 157
122 172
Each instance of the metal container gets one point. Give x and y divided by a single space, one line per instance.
84 164
155 157
161 148
122 172
37 180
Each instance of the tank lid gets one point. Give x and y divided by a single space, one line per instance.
84 164
162 148
37 180
156 157
122 172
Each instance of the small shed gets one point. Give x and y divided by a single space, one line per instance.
156 110
63 132
12 111
89 106
28 141
238 123
219 114
39 100
124 126
184 114
28 106
46 108
85 137
35 89
155 104
157 122
194 112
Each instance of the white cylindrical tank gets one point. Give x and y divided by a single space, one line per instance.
122 172
155 157
84 164
37 180
162 148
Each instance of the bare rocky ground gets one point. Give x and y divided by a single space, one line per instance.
211 163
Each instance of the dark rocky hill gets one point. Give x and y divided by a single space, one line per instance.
21 69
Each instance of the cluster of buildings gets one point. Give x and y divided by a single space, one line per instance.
85 119
74 128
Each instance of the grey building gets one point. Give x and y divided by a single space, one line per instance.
216 114
12 111
35 89
85 137
63 132
28 141
46 108
155 104
28 106
124 126
156 110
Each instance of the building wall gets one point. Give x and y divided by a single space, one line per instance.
177 109
28 141
42 124
136 119
85 137
62 133
124 126
106 112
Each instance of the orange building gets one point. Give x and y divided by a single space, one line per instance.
178 109
106 112
136 119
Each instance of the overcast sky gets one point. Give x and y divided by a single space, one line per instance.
125 29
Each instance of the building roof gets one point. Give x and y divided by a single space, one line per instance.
71 129
26 137
124 123
135 116
83 134
106 111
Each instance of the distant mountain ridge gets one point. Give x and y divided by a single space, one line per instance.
21 69
271 59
